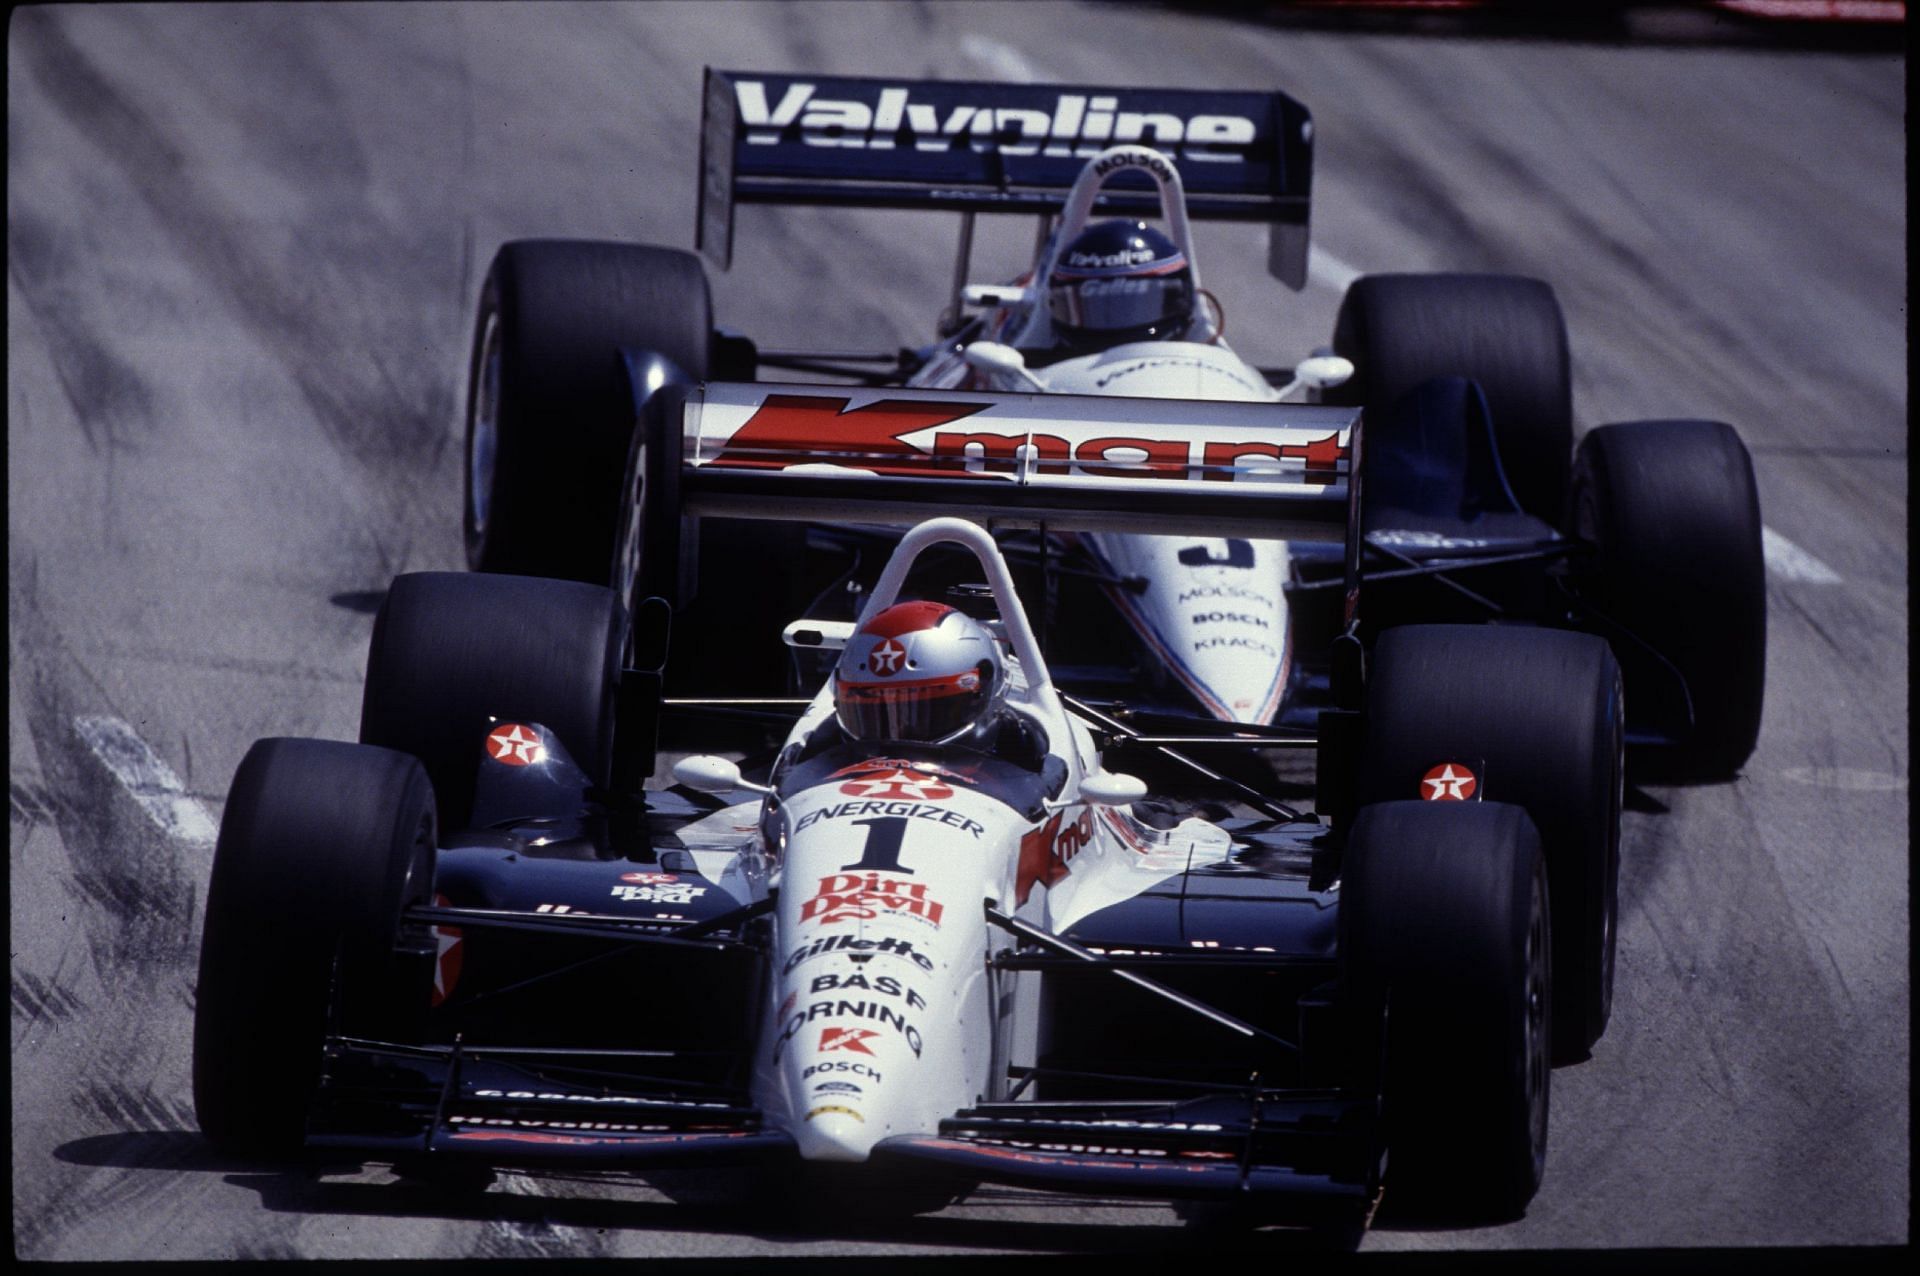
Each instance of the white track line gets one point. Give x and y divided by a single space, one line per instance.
1003 59
1323 267
1789 562
151 781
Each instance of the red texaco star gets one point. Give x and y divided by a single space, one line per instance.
887 657
515 745
1446 784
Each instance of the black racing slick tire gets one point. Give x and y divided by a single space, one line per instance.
1536 716
1505 332
1675 514
1446 948
322 845
452 652
549 407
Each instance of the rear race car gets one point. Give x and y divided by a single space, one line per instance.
1061 948
1648 535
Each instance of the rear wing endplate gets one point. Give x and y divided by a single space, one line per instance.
974 146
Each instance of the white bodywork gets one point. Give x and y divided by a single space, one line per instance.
1213 611
882 1017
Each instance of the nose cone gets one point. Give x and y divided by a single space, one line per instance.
835 1132
1214 611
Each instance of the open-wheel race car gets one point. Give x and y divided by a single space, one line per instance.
1480 507
943 918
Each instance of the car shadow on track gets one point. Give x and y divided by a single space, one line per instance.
700 1202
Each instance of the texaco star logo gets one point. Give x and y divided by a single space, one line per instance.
903 784
1448 782
446 964
515 745
887 658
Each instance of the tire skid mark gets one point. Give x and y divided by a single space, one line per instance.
36 1001
379 424
133 911
129 1106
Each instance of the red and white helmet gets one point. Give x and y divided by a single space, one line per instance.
918 671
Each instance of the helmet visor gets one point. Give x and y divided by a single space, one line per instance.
929 710
1109 305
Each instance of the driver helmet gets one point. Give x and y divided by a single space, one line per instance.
918 671
1117 282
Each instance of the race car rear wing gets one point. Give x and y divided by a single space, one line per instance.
974 146
1073 462
837 454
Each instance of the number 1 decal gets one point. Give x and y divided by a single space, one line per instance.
882 853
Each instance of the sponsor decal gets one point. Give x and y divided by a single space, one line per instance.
884 984
1058 1153
675 893
1230 618
1142 365
1077 125
575 1140
837 1087
1449 782
909 810
649 879
844 897
791 429
515 745
858 948
887 658
1045 851
874 1010
842 1066
1220 592
615 1127
448 944
852 1039
1118 1124
1239 644
834 1109
612 1100
899 783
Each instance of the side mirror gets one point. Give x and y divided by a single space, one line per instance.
1323 371
823 635
705 773
1000 360
1110 788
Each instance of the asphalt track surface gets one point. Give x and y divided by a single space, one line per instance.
243 248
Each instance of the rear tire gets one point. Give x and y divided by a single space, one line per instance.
1503 331
322 845
1541 711
1445 919
451 651
549 408
1675 513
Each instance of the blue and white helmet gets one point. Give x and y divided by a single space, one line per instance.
1117 282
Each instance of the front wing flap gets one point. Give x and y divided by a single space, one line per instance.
1314 1147
503 1106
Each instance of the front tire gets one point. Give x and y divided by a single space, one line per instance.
322 846
1675 514
451 651
549 408
1446 926
1505 332
1542 711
